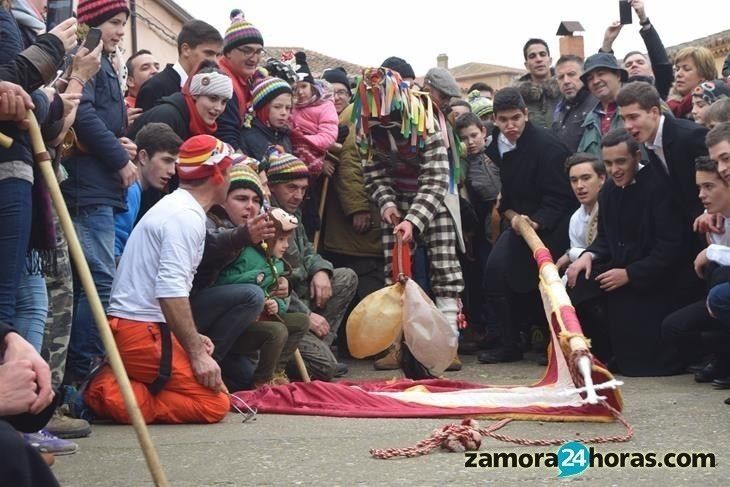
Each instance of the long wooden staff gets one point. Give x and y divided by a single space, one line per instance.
82 267
573 342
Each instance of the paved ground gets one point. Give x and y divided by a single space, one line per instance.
669 415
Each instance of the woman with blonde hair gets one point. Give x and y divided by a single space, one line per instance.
692 66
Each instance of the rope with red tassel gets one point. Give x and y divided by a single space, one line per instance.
467 436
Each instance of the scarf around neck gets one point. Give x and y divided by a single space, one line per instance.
241 88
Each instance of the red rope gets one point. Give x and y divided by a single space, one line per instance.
467 436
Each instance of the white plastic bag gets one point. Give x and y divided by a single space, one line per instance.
431 340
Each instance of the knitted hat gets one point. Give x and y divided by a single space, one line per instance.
400 66
96 12
337 75
243 176
212 84
203 156
711 91
305 74
480 105
239 33
443 80
284 167
283 221
266 89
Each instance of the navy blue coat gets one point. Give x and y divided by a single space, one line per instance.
93 177
255 140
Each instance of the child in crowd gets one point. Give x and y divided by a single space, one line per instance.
314 119
483 186
719 112
704 95
157 150
277 333
269 124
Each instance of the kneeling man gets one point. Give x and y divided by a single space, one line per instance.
173 374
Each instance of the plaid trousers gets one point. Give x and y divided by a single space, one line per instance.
439 238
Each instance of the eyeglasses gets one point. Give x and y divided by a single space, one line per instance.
343 93
250 51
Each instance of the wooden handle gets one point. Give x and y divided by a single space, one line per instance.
5 141
82 268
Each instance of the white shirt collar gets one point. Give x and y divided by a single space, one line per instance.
504 144
180 71
656 145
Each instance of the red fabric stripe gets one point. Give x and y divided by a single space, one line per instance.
341 400
570 319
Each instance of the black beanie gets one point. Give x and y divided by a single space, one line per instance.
337 75
401 66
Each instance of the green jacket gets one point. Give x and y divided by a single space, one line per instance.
251 267
591 140
347 196
305 263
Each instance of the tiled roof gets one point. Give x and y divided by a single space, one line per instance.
718 43
471 69
317 61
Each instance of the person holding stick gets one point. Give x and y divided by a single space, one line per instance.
174 376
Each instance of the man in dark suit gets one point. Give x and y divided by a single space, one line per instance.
197 41
535 186
672 144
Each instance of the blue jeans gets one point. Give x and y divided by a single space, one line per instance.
94 226
15 215
31 307
718 300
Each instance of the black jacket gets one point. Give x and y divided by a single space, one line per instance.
683 141
255 140
569 117
660 62
534 182
641 229
164 83
170 110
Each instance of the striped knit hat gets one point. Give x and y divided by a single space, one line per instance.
239 33
243 176
96 12
480 105
267 89
204 156
284 167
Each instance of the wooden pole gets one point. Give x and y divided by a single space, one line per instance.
82 267
320 212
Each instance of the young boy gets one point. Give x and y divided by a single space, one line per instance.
157 150
704 95
587 175
262 265
718 113
483 186
681 329
638 251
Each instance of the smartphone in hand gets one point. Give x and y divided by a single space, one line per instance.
92 39
58 11
624 9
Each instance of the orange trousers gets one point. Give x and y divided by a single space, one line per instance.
182 400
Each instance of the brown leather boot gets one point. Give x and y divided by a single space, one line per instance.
456 364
